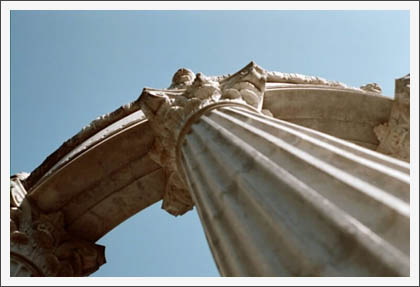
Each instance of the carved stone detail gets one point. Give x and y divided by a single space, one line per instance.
40 245
182 78
372 87
168 110
294 78
394 136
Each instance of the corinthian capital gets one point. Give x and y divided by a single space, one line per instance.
168 110
40 244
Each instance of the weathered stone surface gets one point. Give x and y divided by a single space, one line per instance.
85 133
89 204
293 78
394 135
41 245
372 87
121 204
182 79
328 106
126 160
167 111
348 114
278 199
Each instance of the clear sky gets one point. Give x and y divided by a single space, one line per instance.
69 67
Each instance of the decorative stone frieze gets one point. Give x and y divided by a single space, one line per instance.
394 136
40 244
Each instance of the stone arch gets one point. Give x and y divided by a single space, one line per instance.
107 172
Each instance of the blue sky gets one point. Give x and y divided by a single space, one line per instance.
69 67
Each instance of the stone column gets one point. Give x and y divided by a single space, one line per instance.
40 244
275 198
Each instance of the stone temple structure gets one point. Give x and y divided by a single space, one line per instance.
291 175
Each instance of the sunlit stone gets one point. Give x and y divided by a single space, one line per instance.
291 175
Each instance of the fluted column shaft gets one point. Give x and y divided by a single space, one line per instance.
278 199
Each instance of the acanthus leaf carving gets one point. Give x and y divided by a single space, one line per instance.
168 110
42 246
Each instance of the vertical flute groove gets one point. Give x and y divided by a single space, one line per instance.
271 208
364 196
